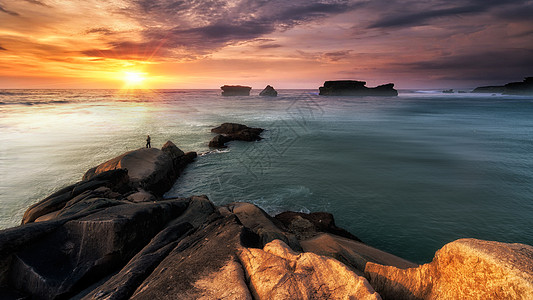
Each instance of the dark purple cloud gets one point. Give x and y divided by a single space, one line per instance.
36 2
9 12
100 30
337 55
269 46
401 14
485 65
204 26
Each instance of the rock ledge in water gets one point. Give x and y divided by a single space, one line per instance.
228 132
355 88
514 88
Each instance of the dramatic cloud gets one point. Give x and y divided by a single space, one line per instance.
337 55
12 13
206 26
37 2
298 43
424 13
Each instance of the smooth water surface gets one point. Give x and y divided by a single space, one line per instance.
405 174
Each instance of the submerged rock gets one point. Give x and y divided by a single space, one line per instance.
219 141
355 88
235 90
269 91
234 132
514 88
464 269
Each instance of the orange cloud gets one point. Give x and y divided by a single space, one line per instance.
199 44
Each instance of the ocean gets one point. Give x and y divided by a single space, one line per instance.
405 174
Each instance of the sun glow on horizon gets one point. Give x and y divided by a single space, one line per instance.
134 79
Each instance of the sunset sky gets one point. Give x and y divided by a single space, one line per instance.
288 44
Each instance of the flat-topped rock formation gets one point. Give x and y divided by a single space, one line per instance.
106 237
235 90
269 91
514 88
355 88
228 132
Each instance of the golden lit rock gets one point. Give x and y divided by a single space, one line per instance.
463 269
277 272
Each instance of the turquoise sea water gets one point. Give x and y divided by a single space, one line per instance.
405 174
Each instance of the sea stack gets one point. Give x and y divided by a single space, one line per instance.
355 88
235 90
269 91
514 88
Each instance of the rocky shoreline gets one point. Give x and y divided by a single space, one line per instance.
513 88
113 236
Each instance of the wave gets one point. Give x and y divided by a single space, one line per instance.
31 103
213 152
4 93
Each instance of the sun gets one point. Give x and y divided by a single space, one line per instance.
134 79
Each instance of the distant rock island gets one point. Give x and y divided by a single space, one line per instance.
269 91
235 90
514 88
355 88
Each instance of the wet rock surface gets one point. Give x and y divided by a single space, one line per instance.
463 269
106 237
228 132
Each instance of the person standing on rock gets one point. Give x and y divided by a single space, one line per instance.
148 142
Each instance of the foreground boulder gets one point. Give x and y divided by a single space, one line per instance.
355 88
98 239
183 248
235 90
464 269
109 185
137 176
150 169
269 91
234 132
514 88
107 238
278 272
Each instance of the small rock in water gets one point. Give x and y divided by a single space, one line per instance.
234 132
269 91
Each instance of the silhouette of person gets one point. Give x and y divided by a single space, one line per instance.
148 142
